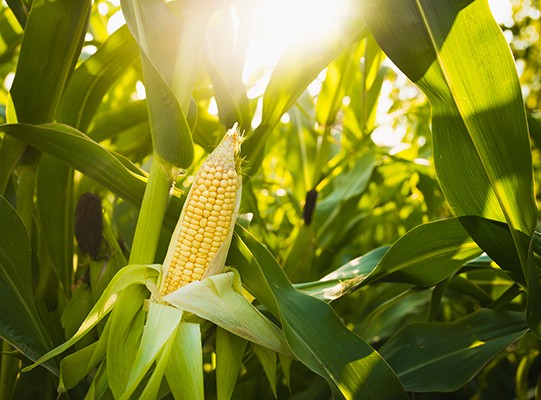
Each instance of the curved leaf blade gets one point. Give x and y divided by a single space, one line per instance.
457 54
428 360
427 254
314 332
20 324
94 76
76 149
54 31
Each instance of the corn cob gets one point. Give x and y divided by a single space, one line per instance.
203 233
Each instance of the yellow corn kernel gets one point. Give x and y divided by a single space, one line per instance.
203 233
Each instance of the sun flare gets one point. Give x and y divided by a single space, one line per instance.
280 23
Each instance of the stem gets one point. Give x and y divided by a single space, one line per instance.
507 297
149 223
10 151
9 371
26 182
435 300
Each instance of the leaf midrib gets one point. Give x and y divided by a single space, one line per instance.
489 172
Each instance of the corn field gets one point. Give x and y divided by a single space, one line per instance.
355 220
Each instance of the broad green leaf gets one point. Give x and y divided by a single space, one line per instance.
78 150
184 371
442 357
54 31
160 328
167 37
20 324
267 358
458 55
497 239
54 203
93 78
299 65
76 310
346 278
82 153
426 255
229 351
217 299
171 134
313 331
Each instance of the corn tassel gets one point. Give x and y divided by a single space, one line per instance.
203 233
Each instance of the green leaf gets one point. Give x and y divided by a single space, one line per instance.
184 371
168 35
458 55
74 367
229 351
127 324
160 327
313 331
11 33
426 255
20 324
93 78
19 10
171 134
442 357
54 203
75 148
111 123
346 278
217 300
267 358
54 31
127 276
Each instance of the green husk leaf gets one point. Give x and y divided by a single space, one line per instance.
74 367
218 299
184 371
152 387
161 325
267 358
127 324
229 352
127 276
71 370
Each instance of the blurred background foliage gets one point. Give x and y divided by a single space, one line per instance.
359 135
